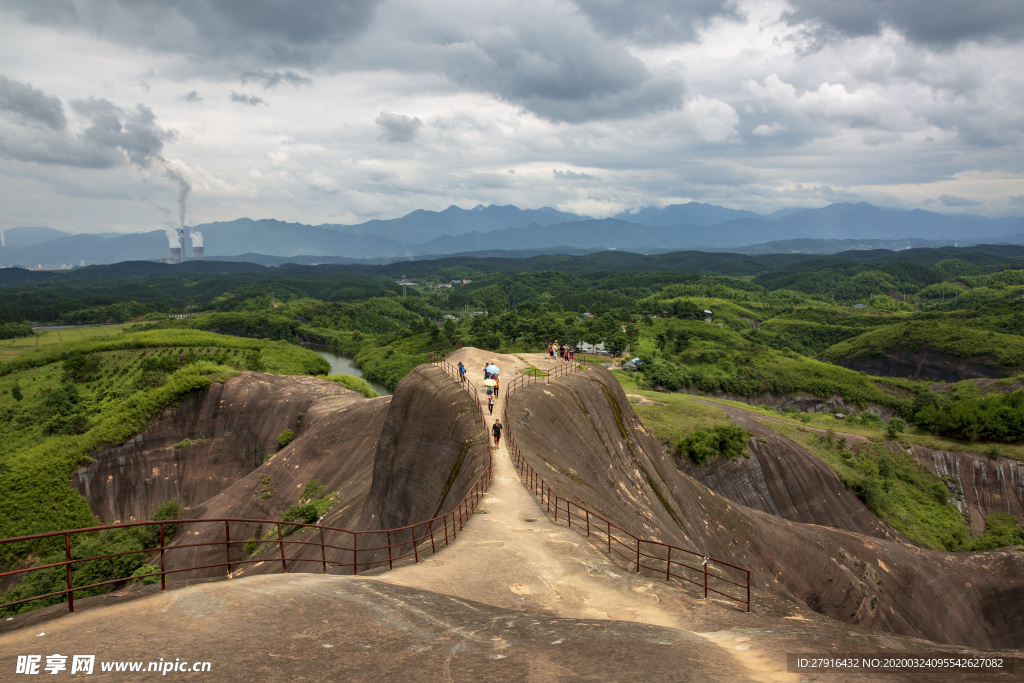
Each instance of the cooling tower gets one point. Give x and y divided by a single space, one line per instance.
198 253
176 253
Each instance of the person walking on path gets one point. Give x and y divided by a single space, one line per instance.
495 385
496 430
462 372
490 405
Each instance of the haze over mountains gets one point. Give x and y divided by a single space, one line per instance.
508 230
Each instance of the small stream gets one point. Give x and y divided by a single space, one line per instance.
344 366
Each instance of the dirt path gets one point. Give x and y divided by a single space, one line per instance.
510 555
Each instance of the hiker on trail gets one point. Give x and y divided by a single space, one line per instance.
496 430
487 375
462 372
572 352
490 405
551 350
489 390
495 385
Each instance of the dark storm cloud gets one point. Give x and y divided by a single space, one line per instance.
250 100
110 135
269 30
398 127
193 96
133 131
937 23
272 79
667 21
562 76
29 104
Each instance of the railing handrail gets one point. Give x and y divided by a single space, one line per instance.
536 484
447 527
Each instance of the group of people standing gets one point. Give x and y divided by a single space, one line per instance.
564 352
492 393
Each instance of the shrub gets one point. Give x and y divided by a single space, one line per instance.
703 445
896 426
147 569
355 384
286 437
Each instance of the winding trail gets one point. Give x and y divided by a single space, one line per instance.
511 555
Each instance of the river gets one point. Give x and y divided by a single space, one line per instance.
344 366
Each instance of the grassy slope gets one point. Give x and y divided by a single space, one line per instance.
904 494
951 338
114 404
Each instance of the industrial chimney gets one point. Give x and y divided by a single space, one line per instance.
198 251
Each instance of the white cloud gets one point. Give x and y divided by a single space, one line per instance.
595 105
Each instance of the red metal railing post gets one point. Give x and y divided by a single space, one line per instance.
355 553
227 542
430 527
748 590
446 529
609 537
163 568
389 550
323 550
67 567
668 565
568 512
415 551
705 578
588 521
638 556
280 542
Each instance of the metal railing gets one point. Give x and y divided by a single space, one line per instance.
642 555
347 550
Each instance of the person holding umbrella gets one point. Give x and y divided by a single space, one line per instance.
495 386
490 383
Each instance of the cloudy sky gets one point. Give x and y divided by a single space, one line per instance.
116 113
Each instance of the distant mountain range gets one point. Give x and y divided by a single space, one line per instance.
508 230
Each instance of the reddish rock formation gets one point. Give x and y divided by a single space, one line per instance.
984 484
335 445
240 422
786 480
926 364
585 439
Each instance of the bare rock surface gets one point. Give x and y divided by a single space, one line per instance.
927 364
786 480
983 484
233 427
585 439
335 445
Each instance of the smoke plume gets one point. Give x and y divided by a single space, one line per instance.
183 189
197 238
172 237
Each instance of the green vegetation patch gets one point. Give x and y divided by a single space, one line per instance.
357 384
136 541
